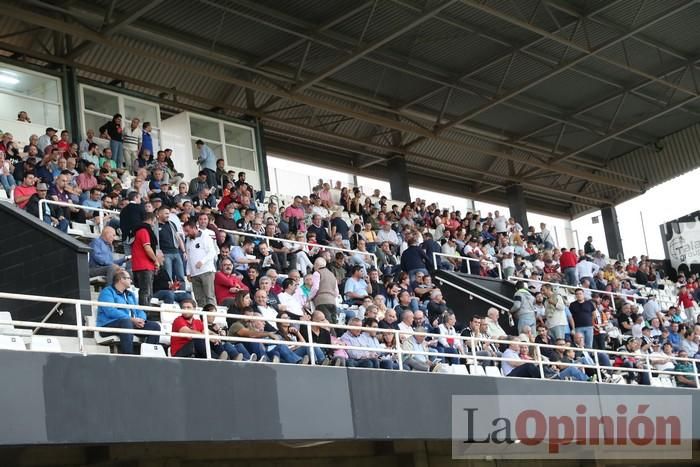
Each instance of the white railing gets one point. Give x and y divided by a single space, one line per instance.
468 261
468 343
101 211
310 245
633 298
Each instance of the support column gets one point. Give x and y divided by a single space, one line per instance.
398 179
516 205
612 232
71 103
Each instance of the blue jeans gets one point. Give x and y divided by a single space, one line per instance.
284 353
450 350
573 372
587 332
168 296
231 349
362 363
557 332
62 224
174 266
126 341
528 320
388 364
570 276
8 183
117 154
318 353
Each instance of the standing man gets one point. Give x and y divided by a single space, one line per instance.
201 256
144 261
582 311
207 162
523 307
568 261
554 312
324 290
588 247
112 130
132 138
170 244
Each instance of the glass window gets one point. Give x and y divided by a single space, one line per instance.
240 158
94 122
142 110
100 102
217 148
29 85
238 136
204 129
39 112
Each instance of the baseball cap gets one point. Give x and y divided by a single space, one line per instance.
154 185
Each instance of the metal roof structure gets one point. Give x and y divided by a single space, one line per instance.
570 99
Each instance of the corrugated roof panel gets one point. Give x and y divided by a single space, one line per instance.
680 31
569 90
626 12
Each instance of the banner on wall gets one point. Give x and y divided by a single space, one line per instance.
681 239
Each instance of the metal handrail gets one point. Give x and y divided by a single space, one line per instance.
468 260
296 242
634 298
101 211
398 334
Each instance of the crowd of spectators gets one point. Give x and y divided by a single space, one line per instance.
335 255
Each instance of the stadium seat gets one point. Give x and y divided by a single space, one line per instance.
3 196
81 230
9 329
109 340
493 371
45 344
459 370
11 343
476 370
152 350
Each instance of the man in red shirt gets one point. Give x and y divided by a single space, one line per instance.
227 284
190 347
144 261
685 298
25 191
568 261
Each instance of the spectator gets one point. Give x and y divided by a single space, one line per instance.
324 291
523 307
201 255
45 139
144 261
354 338
415 361
132 139
555 314
112 131
568 261
449 341
292 334
102 261
582 311
228 285
52 215
494 328
514 365
414 259
115 317
25 191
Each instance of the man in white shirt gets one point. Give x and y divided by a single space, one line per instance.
201 255
292 305
500 222
386 234
132 138
494 329
586 269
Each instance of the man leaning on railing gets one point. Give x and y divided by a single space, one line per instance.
113 317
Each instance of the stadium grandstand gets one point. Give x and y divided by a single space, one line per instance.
162 304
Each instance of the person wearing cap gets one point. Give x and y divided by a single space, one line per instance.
45 139
52 215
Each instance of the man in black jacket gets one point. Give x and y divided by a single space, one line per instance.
131 217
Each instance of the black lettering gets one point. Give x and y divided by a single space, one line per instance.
502 434
470 428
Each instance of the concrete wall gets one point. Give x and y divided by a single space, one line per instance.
37 259
61 399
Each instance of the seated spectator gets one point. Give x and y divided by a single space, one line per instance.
293 306
448 341
192 347
632 362
566 355
102 261
356 287
290 333
414 361
227 284
113 317
515 365
169 290
359 358
494 328
685 367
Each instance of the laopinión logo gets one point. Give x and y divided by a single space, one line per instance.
572 426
